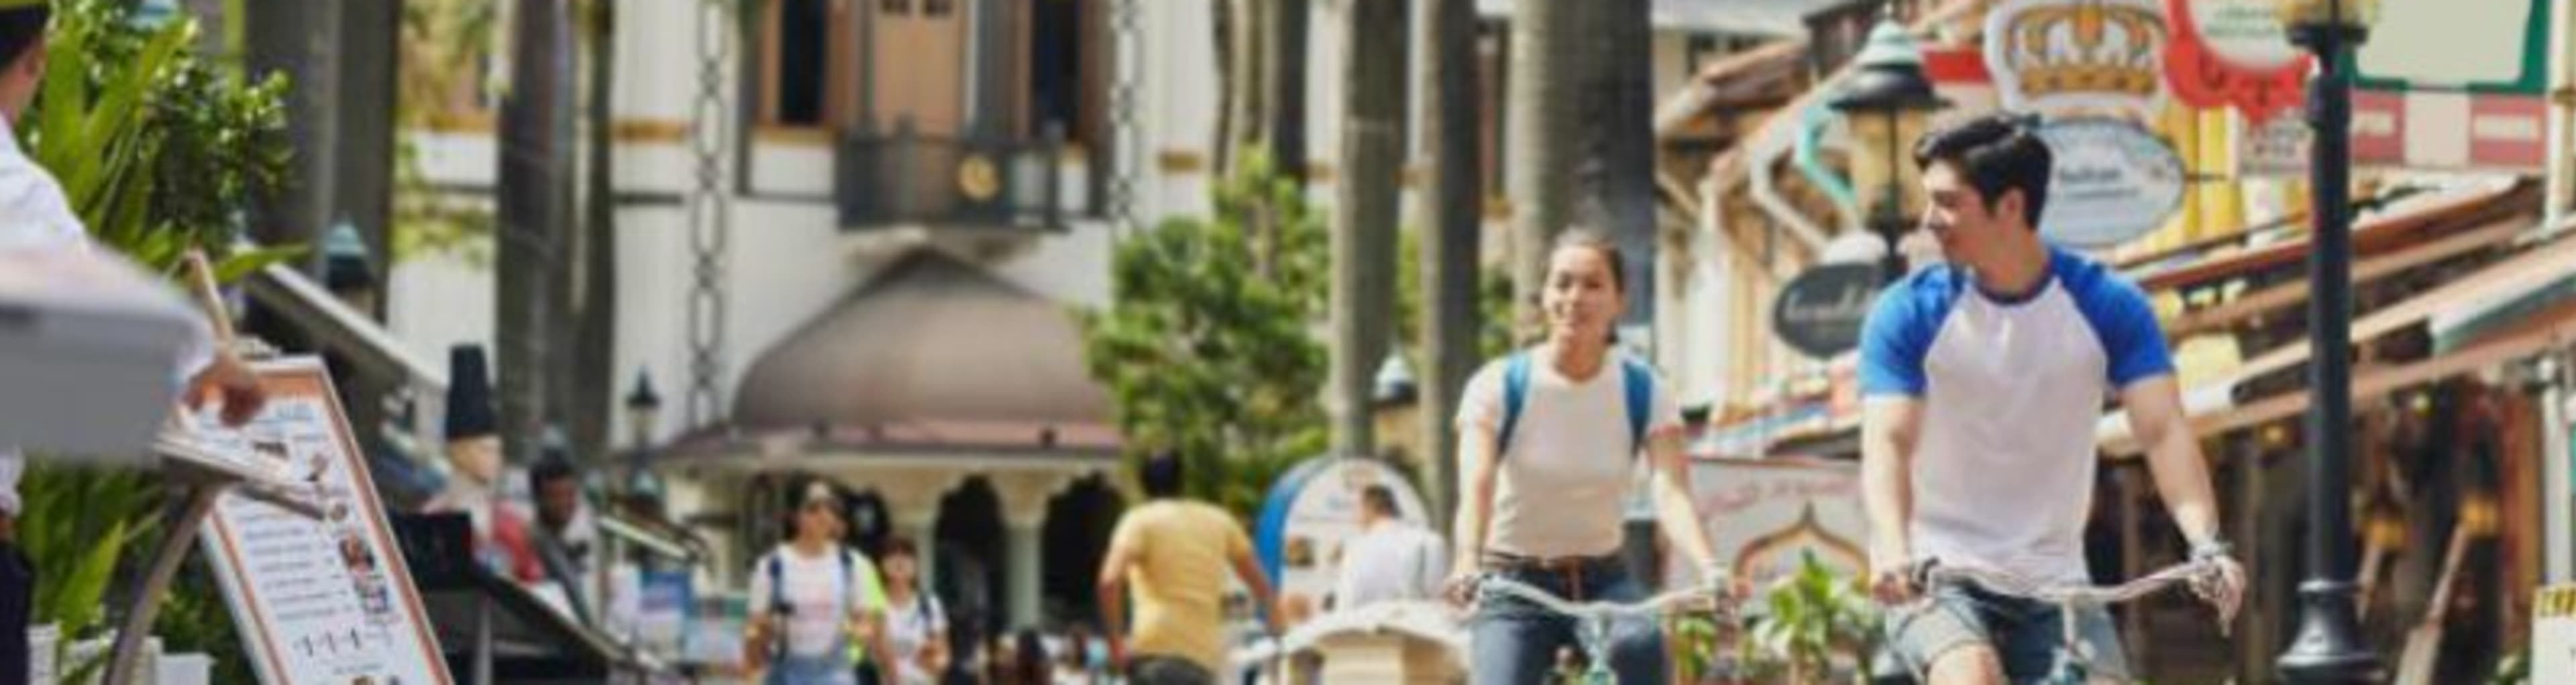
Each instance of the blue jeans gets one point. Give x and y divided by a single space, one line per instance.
1516 642
2027 636
811 670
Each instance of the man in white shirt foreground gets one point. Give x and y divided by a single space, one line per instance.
35 215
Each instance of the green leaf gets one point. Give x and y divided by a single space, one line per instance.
242 262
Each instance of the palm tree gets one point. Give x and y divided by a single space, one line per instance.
1539 132
1451 214
594 303
1363 238
536 147
1614 169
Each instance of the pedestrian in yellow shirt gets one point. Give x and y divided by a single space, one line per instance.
1176 553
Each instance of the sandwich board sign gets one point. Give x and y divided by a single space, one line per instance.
317 601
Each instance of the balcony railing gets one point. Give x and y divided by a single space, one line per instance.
885 179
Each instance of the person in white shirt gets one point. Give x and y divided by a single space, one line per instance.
1548 442
916 623
1391 559
813 600
35 215
1982 380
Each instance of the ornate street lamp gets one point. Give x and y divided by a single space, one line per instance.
2329 648
1886 104
643 414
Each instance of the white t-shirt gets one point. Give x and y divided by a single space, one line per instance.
1391 562
34 215
1562 485
820 598
2011 389
911 625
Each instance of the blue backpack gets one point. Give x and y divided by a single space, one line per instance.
1634 376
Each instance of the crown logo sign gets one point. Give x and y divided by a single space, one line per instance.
2087 46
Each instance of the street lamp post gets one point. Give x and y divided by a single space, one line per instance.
643 414
2329 648
1885 104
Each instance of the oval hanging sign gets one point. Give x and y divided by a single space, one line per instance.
1821 311
2112 181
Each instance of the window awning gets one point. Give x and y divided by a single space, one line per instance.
2401 224
2215 406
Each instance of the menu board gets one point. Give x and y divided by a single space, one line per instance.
317 600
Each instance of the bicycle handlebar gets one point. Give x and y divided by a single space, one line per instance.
1652 606
2000 582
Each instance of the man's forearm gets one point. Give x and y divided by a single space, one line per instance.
2182 479
1887 495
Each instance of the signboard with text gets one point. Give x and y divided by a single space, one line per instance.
2113 181
2430 98
1820 312
316 601
1766 515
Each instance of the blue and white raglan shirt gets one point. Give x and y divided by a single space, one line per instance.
2011 388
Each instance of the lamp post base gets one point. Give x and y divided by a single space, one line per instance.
2329 646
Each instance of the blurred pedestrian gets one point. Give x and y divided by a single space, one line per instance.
1177 553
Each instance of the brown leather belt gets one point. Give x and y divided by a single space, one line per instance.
1572 569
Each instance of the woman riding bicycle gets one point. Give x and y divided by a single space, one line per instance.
1548 442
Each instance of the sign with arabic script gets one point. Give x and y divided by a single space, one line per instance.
1821 311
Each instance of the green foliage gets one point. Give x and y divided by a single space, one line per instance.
1493 304
1813 620
2513 669
1811 626
74 524
157 150
1204 355
445 44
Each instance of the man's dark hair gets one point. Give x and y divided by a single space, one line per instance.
1379 498
547 471
1994 153
1161 474
19 30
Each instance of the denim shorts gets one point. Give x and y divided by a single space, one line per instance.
2027 636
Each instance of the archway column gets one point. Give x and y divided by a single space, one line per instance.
1024 508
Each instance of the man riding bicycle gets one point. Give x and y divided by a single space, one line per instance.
1983 378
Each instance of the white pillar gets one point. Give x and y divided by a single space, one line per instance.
2560 198
1024 507
1024 581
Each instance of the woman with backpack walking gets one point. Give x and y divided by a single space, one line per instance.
812 600
916 624
1549 439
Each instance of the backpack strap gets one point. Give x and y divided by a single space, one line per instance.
777 572
1516 379
777 580
1640 385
